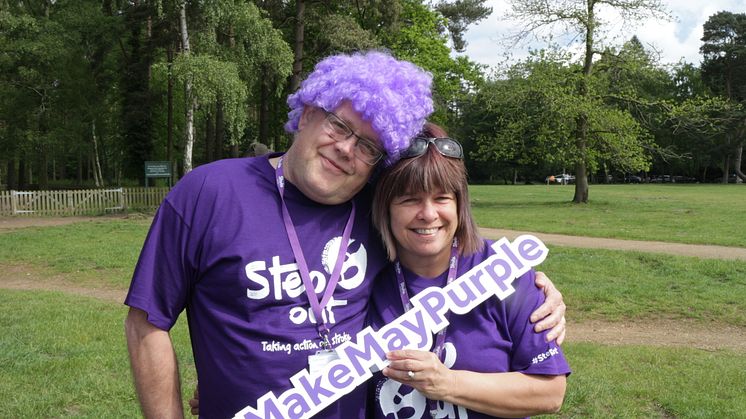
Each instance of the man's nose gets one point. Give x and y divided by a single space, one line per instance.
347 146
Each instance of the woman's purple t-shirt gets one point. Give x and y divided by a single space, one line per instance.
496 336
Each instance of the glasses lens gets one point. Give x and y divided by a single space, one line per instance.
337 126
367 151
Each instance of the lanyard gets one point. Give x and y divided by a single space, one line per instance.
316 306
440 339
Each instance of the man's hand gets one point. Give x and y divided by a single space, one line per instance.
194 403
552 312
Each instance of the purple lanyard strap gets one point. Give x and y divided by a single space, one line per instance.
452 268
316 306
440 339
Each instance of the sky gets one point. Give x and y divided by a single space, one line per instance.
674 40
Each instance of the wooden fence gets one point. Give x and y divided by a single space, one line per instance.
86 201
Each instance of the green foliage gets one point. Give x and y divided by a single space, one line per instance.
529 117
211 80
421 41
459 15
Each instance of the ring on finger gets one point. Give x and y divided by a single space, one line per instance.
410 374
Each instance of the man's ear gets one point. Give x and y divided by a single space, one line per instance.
306 116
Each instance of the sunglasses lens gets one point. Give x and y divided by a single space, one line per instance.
416 148
449 148
446 146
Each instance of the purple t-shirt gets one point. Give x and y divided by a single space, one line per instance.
219 249
496 336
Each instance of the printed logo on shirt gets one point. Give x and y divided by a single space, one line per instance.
394 403
276 280
544 356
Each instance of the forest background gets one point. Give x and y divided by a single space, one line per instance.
91 89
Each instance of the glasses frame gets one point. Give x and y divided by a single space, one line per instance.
441 144
333 121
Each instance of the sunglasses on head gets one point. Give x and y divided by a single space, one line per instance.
445 146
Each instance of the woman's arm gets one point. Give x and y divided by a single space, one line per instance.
508 394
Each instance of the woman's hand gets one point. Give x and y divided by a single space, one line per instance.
421 370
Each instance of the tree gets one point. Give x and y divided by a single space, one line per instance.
459 15
527 118
580 18
724 71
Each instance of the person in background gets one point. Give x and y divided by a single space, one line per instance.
488 362
257 149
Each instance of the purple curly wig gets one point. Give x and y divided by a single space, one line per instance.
393 95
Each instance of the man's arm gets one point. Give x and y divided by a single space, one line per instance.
154 367
552 312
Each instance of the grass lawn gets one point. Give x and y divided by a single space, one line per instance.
65 356
706 214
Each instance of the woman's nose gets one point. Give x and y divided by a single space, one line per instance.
427 211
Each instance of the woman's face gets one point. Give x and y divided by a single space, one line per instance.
424 225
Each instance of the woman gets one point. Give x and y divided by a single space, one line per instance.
488 361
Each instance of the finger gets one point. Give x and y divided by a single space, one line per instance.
401 376
553 298
405 365
541 279
555 331
407 354
561 338
553 319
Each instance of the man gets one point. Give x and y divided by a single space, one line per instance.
273 258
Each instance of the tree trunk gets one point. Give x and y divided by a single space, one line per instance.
209 137
581 175
300 8
737 163
80 169
11 177
726 168
264 98
43 168
190 105
170 111
219 130
22 173
97 175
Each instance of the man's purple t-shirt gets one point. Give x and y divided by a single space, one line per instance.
496 336
219 249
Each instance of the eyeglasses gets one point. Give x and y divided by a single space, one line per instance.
366 150
445 146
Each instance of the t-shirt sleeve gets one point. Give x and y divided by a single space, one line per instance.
531 354
164 273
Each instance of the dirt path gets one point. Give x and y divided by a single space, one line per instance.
663 333
697 250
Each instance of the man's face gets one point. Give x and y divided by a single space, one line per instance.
324 169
